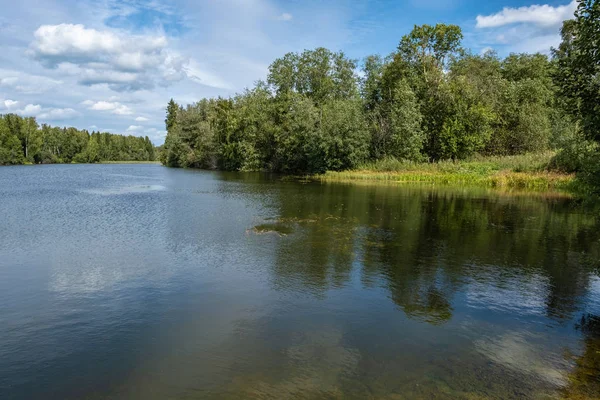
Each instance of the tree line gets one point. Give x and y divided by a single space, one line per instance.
429 100
22 141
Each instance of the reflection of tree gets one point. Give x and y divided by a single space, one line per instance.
320 251
423 244
584 381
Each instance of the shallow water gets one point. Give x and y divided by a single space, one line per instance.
142 282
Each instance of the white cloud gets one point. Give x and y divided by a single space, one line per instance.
30 110
58 114
134 128
186 50
124 62
54 44
544 15
103 106
285 17
44 113
529 29
113 107
199 74
8 104
141 119
26 83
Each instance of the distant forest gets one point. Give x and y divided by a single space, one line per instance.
22 141
429 100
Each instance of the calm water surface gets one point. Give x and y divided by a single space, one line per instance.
141 282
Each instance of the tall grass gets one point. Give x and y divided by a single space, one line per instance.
528 171
478 165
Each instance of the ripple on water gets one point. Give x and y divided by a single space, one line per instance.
113 191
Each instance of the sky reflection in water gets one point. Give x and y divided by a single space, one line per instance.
136 281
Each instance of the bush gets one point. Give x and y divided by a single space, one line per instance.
590 172
576 155
47 157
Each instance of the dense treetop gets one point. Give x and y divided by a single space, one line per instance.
429 100
22 140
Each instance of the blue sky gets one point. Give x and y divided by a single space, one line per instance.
112 65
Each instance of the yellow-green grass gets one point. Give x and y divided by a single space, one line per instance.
529 171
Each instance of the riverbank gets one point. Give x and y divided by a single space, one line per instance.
129 162
529 171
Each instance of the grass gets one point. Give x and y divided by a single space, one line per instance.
528 171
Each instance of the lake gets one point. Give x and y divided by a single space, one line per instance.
143 282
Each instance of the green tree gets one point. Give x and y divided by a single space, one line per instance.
578 66
343 140
319 74
28 137
431 47
11 152
296 146
171 120
423 58
93 150
406 136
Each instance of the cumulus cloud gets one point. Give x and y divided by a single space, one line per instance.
525 29
123 62
9 104
58 114
42 113
134 128
30 110
146 52
544 15
141 119
55 44
113 107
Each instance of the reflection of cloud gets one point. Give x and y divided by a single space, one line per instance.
89 276
519 352
517 294
593 299
111 191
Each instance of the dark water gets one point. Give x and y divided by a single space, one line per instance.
141 282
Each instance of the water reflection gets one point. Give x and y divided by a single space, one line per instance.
584 380
525 353
250 286
525 255
514 260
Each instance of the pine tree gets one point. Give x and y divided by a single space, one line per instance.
171 119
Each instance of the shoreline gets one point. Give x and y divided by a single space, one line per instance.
529 181
527 172
128 162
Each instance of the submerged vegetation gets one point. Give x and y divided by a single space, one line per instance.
23 141
429 101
